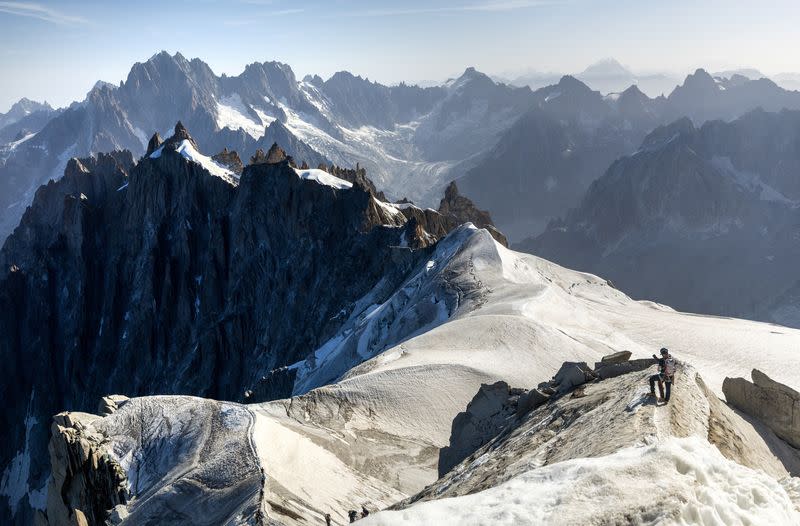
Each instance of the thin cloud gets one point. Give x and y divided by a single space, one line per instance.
40 12
488 6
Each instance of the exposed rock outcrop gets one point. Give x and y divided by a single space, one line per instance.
495 406
486 415
181 134
274 155
86 483
155 142
608 416
277 133
775 404
463 210
356 176
231 160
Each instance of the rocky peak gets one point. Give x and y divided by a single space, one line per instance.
314 80
473 78
230 159
463 210
664 134
178 136
633 94
275 155
570 84
698 84
155 142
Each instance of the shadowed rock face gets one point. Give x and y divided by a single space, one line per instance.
669 223
463 210
775 404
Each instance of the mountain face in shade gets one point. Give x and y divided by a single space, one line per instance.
21 109
549 157
177 275
704 219
544 163
703 97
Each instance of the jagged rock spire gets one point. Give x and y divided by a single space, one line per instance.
462 209
182 134
179 135
275 155
155 142
230 159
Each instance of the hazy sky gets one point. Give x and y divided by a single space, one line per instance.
56 50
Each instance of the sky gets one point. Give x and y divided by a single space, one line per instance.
57 50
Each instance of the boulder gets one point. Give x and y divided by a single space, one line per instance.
485 416
617 357
571 375
604 371
530 401
775 404
109 404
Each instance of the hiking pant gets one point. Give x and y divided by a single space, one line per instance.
661 379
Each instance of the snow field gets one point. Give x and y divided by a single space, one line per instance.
700 486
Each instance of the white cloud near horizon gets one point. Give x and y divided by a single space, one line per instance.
40 12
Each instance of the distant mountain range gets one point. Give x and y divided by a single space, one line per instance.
544 163
609 76
705 219
410 139
525 155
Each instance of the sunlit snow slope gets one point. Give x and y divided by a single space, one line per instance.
483 313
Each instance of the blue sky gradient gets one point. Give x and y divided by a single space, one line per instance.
56 50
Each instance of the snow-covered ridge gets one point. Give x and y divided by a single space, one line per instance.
410 358
324 178
686 480
188 152
423 302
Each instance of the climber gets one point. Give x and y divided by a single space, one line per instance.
666 375
327 519
364 512
352 515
